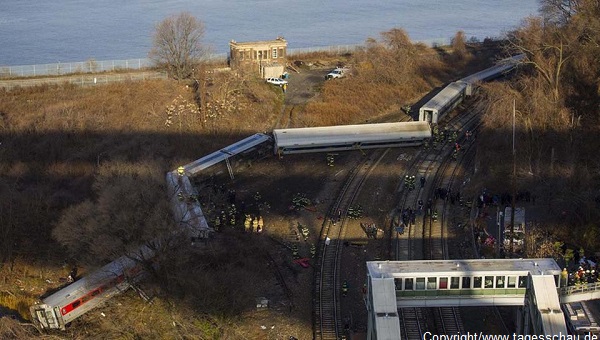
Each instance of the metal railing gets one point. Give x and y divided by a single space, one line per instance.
579 288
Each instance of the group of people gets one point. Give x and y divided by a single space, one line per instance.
409 216
447 194
370 229
585 273
254 224
486 199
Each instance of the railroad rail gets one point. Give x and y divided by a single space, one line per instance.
434 164
327 287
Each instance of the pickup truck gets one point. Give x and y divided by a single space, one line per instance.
336 73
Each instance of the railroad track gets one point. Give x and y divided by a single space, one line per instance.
427 238
447 319
327 286
410 323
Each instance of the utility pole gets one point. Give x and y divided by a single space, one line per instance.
514 185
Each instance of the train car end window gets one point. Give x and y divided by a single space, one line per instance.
454 282
466 283
431 282
420 283
512 282
408 284
443 283
477 282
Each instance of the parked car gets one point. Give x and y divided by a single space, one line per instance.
276 81
336 73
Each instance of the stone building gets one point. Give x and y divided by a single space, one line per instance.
268 58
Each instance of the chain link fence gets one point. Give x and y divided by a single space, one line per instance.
82 80
89 66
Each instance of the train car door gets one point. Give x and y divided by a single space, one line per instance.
426 116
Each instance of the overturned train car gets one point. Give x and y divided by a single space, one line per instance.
349 137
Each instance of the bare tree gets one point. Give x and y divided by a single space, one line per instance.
559 11
394 59
177 45
129 209
546 48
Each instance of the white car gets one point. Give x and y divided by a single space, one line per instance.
336 73
276 81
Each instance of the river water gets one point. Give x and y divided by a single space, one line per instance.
39 32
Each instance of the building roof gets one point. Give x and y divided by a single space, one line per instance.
278 41
381 269
552 317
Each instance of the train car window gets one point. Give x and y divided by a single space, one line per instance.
512 282
431 282
86 298
408 284
96 292
489 282
466 282
454 282
443 283
499 281
75 304
477 282
420 283
398 283
522 281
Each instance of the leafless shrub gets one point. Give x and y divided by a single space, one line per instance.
129 209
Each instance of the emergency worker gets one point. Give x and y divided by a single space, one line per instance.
345 288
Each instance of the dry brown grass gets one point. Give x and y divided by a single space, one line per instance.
384 76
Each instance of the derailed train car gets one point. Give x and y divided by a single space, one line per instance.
71 302
350 137
446 100
453 94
